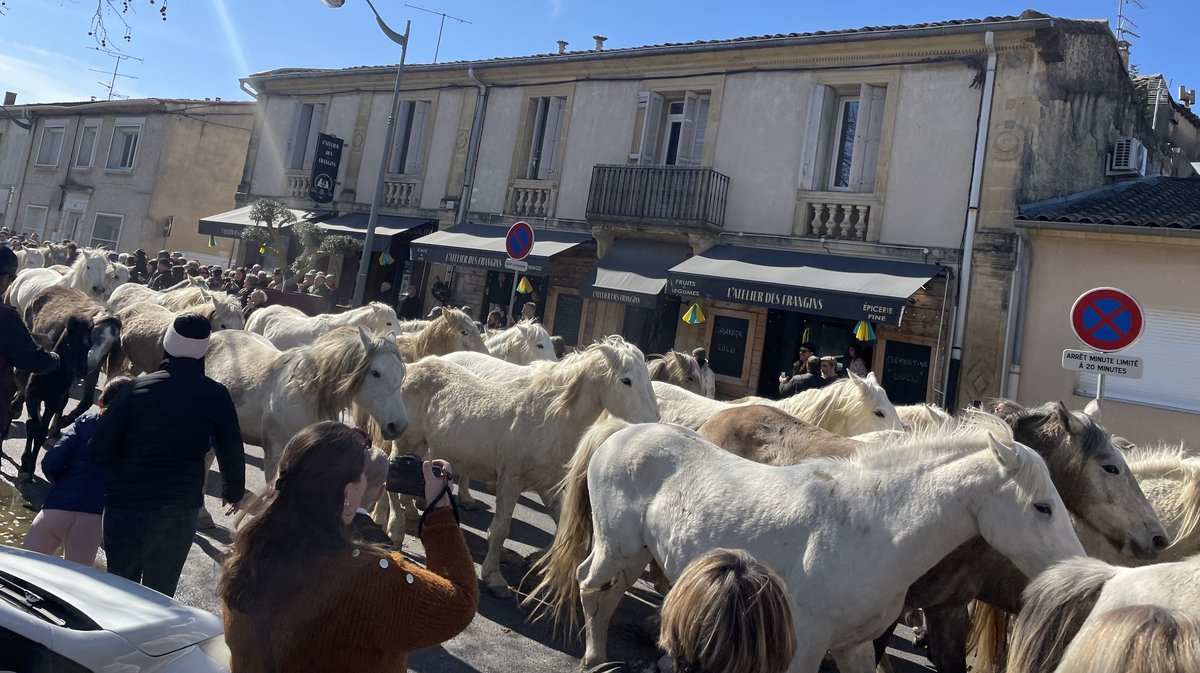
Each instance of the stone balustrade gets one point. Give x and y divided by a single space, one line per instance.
531 198
836 215
401 192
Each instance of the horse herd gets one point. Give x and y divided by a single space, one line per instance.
866 510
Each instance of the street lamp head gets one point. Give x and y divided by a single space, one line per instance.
333 3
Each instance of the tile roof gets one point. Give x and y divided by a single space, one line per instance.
1028 14
1148 202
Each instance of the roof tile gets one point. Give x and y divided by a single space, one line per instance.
1147 202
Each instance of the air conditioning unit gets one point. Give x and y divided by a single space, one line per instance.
1128 158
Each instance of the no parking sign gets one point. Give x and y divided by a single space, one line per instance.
1107 319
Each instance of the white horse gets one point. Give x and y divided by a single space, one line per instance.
278 393
115 276
86 275
288 327
133 293
144 325
1071 595
30 258
923 416
848 536
520 436
522 343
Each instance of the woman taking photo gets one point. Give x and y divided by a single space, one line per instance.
299 593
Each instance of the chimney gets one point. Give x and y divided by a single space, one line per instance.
1187 97
10 98
562 46
1123 48
599 42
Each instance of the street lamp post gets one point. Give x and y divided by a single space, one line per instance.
360 283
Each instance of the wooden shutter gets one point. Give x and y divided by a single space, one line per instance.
536 134
547 164
651 127
294 141
871 101
316 123
687 129
399 137
815 145
697 152
416 138
1170 379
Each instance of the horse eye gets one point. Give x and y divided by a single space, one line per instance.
626 381
879 413
541 346
463 332
1112 469
1043 508
374 373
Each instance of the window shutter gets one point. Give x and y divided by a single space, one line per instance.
536 135
866 138
416 138
315 125
399 136
697 152
687 129
651 127
817 121
1169 379
295 142
547 170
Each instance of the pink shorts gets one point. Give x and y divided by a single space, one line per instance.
76 533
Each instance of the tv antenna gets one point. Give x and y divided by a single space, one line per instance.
440 27
1123 21
112 83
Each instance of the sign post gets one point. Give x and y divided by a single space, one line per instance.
1107 320
518 243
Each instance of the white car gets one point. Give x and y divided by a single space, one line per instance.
62 617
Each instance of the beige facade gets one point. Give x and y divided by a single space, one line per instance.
123 174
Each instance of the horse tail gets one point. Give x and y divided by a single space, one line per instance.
987 637
1056 603
557 592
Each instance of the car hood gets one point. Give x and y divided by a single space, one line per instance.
153 623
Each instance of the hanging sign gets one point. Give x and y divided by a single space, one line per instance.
325 168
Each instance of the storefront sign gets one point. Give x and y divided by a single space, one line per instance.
906 372
629 298
1091 362
880 310
727 350
325 168
495 261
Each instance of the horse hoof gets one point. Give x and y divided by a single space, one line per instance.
499 592
469 505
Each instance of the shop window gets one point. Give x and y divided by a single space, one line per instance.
673 128
408 138
1169 380
842 131
307 120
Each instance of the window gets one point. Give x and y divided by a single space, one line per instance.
107 231
544 132
302 144
87 143
673 128
50 147
842 131
1169 380
35 220
122 152
408 138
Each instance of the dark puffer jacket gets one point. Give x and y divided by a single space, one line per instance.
156 433
79 482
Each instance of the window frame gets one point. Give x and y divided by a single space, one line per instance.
655 113
94 123
306 146
25 220
59 126
410 161
838 142
124 123
96 220
541 158
876 92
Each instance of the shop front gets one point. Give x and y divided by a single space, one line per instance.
627 288
762 304
232 223
389 254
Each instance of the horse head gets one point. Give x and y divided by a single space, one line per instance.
90 269
105 333
225 315
114 276
1093 477
381 317
378 373
867 406
1026 519
678 369
455 331
625 389
73 346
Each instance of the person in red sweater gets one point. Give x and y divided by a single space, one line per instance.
300 593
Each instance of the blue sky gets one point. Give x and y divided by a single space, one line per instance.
206 45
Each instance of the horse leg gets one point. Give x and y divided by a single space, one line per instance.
506 502
603 579
858 658
947 637
396 525
88 398
465 499
34 436
552 503
881 643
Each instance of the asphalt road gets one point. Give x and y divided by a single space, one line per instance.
499 640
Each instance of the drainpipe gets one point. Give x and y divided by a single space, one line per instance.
1016 312
464 201
964 279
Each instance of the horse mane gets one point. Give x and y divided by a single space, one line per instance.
566 379
672 366
501 342
923 415
79 268
841 396
330 369
1170 461
1056 603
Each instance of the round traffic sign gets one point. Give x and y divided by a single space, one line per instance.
1107 319
519 241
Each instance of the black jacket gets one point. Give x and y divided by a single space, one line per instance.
17 349
370 532
156 434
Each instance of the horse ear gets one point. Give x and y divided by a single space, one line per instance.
1092 410
1068 419
215 303
365 337
1007 456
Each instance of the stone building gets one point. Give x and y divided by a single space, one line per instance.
790 186
122 174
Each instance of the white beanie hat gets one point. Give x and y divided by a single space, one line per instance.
187 337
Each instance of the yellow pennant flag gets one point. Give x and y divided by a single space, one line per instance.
212 241
694 315
524 287
863 331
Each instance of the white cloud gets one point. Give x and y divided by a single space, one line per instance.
42 76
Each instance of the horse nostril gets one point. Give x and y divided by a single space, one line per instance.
1161 542
391 427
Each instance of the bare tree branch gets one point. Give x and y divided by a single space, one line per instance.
108 10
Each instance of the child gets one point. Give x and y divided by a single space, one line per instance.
70 517
376 470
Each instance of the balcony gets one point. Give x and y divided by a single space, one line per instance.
401 192
531 198
843 216
668 195
298 183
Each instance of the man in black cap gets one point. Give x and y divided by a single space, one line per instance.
155 436
17 348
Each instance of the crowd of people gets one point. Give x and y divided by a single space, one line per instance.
813 371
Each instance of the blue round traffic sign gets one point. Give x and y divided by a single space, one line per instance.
519 241
1107 319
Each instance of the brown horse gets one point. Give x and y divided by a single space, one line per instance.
772 436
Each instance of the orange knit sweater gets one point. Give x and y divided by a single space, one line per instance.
363 612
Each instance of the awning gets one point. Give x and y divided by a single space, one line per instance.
634 272
231 224
482 246
847 287
386 226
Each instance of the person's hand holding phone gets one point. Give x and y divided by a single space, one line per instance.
434 484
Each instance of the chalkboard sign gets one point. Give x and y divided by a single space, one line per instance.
727 351
906 372
567 312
